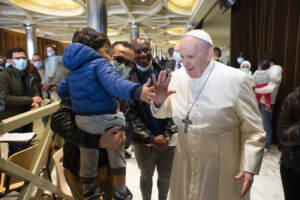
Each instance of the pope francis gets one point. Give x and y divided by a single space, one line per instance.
221 137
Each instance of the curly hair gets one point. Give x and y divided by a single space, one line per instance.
290 110
91 38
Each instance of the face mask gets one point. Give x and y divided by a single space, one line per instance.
20 64
49 54
245 70
37 64
121 69
143 69
240 60
177 56
7 65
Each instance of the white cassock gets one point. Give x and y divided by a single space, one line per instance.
226 134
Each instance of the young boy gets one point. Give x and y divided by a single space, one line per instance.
261 79
94 85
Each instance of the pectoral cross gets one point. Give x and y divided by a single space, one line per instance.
186 122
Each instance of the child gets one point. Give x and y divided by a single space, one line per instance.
94 85
261 79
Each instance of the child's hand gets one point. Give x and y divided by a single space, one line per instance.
147 94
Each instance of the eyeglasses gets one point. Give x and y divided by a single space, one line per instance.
145 50
122 60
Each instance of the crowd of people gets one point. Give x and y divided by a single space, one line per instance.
174 114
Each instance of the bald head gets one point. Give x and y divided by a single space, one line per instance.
142 50
139 42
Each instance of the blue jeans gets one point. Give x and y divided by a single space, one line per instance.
267 122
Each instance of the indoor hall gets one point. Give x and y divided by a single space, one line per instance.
250 36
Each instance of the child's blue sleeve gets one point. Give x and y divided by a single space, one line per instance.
63 88
113 82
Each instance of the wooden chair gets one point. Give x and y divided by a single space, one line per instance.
22 158
62 186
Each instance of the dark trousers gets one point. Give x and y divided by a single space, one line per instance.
147 159
14 147
267 122
102 179
291 182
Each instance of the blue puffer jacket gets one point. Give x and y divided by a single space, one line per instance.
92 82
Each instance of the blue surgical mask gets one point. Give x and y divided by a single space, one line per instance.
20 64
37 64
121 69
7 65
144 69
245 70
240 60
177 56
50 54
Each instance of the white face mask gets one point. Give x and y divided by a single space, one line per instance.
177 56
240 60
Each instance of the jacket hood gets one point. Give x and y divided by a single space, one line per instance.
77 54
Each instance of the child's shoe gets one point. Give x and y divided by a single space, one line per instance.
123 196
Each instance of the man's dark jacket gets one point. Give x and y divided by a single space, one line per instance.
136 115
18 89
63 123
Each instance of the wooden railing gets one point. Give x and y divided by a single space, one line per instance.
31 176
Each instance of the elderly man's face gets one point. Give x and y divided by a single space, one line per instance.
123 55
196 55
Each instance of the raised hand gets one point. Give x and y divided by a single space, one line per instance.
161 88
147 94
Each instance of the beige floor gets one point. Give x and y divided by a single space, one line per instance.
266 186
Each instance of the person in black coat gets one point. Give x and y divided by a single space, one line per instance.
63 123
289 137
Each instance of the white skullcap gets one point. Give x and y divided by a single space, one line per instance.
247 63
202 35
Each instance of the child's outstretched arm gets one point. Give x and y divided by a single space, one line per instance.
119 87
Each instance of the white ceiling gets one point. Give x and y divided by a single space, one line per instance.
154 16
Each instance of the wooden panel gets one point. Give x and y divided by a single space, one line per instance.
10 39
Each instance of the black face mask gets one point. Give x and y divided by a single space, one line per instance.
2 64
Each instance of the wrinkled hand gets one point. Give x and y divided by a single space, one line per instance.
160 142
34 106
45 87
37 99
247 183
53 88
147 94
161 88
112 140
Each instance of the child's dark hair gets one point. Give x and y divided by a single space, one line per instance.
91 38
